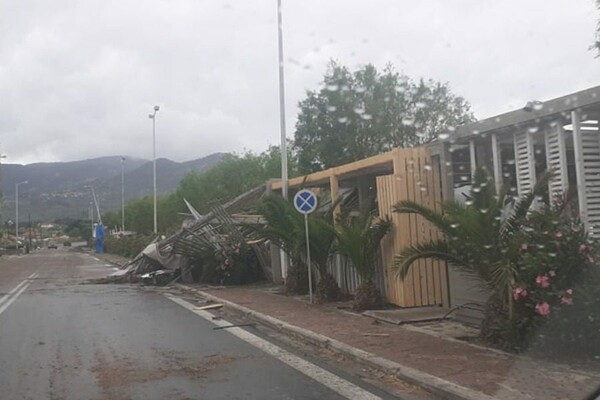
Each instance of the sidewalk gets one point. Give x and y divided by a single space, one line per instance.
459 367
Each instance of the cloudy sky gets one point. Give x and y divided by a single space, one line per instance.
79 77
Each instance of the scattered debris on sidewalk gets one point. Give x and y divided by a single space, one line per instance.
233 326
209 306
376 334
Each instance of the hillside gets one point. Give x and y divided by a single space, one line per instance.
60 190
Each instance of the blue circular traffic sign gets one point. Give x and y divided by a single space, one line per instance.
305 201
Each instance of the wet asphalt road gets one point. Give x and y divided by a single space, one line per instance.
60 339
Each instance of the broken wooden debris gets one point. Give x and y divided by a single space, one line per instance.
233 326
209 306
376 334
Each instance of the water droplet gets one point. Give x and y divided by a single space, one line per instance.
533 129
366 117
448 163
454 226
343 120
427 167
408 121
443 136
476 189
331 108
538 105
359 110
483 210
469 202
464 178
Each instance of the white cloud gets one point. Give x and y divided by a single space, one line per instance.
78 78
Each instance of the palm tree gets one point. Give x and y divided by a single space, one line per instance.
480 236
285 228
358 239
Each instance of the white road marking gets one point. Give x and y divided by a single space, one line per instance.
9 298
326 378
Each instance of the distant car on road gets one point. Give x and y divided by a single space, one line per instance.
52 246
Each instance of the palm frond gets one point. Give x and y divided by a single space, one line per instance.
435 250
436 218
514 222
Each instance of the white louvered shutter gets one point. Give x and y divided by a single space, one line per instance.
556 159
591 165
524 162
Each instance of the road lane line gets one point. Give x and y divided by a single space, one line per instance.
6 296
8 299
326 378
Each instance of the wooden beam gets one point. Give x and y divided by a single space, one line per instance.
335 195
322 177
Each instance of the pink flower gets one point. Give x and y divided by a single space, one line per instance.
566 300
543 309
523 247
542 281
584 248
552 273
558 235
519 293
569 292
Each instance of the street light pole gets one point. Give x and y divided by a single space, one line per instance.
283 147
17 213
153 118
122 194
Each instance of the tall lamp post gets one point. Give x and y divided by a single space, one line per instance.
153 118
283 148
17 212
122 194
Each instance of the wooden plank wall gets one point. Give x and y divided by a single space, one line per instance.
416 177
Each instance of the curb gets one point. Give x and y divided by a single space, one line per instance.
431 383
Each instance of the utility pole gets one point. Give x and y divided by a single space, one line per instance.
282 127
122 194
29 217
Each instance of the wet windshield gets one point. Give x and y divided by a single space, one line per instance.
300 199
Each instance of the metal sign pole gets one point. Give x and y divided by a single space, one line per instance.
308 258
306 202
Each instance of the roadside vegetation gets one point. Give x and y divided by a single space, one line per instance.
535 261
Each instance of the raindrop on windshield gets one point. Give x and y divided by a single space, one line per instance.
408 121
331 108
359 110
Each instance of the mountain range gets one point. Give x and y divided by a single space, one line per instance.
63 189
